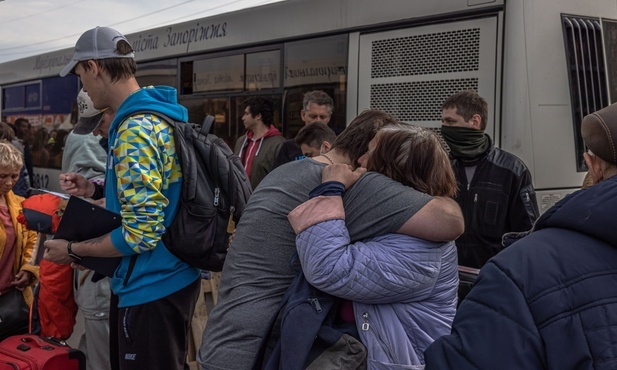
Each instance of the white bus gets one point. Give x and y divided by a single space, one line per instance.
541 65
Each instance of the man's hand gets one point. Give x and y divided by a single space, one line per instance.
342 173
77 266
231 239
100 202
56 251
75 184
22 279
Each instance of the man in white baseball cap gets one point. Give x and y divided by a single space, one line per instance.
84 155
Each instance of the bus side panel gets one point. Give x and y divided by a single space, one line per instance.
538 123
410 72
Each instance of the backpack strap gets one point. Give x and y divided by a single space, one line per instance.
258 363
207 125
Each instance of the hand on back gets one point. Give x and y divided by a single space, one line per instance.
343 173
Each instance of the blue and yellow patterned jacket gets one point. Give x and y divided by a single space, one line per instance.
143 182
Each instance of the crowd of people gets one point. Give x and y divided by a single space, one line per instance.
42 146
380 217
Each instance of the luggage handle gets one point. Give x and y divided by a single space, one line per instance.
44 341
80 356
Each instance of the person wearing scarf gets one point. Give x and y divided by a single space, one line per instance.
495 193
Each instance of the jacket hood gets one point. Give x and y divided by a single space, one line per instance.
589 211
272 131
159 99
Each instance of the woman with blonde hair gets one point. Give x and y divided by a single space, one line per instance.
17 249
400 291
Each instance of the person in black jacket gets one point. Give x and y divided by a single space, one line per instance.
549 301
317 106
495 189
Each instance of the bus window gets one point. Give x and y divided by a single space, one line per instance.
218 74
163 72
315 64
227 112
263 70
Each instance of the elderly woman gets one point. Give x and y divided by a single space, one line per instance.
17 272
402 291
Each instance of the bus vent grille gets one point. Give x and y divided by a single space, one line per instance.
586 73
433 53
427 97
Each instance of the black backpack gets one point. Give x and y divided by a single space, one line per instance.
311 333
215 190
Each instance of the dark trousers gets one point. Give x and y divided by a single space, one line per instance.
154 335
114 357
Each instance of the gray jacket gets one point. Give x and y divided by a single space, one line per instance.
84 155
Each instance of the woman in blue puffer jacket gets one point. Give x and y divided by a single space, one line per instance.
403 289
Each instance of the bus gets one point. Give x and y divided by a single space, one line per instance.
541 66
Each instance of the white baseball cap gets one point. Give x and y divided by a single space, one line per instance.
88 116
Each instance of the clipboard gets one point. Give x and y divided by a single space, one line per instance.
83 220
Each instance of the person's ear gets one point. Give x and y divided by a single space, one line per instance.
476 121
325 147
594 164
93 67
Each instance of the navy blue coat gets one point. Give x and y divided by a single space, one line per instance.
549 301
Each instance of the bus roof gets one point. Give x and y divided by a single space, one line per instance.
291 19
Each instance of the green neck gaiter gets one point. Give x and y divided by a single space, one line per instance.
466 144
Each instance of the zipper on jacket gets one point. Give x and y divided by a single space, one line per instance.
217 192
365 324
129 272
315 303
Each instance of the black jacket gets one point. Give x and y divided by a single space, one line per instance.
549 301
289 152
499 199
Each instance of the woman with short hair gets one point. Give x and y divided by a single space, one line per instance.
17 244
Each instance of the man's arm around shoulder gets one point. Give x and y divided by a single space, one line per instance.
441 219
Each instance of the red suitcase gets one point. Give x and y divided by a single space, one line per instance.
32 352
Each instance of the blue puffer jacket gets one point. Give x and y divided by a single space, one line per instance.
549 301
404 289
